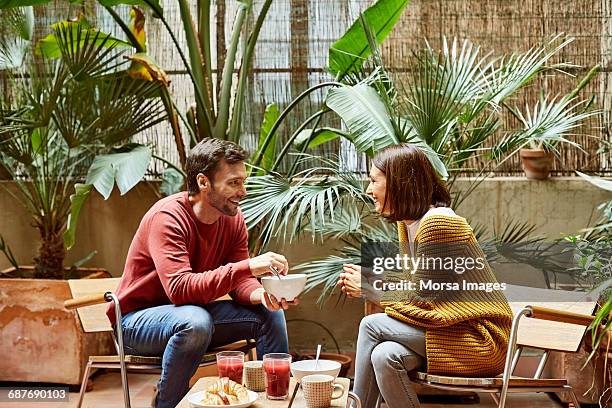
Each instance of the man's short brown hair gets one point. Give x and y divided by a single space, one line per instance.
205 157
413 185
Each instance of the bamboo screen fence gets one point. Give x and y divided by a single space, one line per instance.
292 55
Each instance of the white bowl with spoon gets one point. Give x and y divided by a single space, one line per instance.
288 286
303 368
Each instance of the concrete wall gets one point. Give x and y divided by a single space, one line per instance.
558 206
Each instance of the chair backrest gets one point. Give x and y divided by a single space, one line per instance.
545 334
93 318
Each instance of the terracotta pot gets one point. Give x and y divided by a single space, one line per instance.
536 163
588 382
41 340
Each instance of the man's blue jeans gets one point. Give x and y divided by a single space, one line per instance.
182 334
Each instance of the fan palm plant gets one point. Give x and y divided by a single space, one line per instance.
451 106
72 118
593 256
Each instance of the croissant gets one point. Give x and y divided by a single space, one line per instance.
212 399
225 392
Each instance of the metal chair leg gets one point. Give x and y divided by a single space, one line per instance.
526 311
119 346
84 384
378 401
353 400
126 388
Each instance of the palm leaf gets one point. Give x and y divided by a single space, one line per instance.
86 51
597 181
279 206
349 52
509 74
546 125
446 85
108 110
15 41
365 114
324 273
20 21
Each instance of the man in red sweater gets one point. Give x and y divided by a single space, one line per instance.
190 249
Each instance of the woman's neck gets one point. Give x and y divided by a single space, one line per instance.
410 222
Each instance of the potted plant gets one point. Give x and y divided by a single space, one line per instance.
68 115
550 123
588 371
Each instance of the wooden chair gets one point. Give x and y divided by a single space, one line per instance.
556 322
89 298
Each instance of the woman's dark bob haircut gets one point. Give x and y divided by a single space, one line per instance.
413 185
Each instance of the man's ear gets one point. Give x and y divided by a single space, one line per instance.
203 182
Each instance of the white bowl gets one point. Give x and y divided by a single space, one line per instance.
288 287
303 368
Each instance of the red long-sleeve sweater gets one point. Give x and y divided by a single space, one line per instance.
176 259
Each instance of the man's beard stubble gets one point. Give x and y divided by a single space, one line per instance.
220 203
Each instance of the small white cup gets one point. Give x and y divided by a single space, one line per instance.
319 390
254 376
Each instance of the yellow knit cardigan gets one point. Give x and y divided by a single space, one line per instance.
465 338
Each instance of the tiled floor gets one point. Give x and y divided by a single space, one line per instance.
107 394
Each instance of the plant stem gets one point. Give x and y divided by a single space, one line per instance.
172 165
198 94
281 117
195 58
247 58
221 125
295 134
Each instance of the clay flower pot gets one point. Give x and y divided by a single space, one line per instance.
42 341
536 163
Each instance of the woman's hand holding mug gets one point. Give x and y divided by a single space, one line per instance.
350 280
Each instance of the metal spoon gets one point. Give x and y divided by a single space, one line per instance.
275 272
317 357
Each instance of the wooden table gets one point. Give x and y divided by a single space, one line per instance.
263 402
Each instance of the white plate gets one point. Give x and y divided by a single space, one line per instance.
195 400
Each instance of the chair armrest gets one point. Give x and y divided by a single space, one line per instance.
554 315
86 301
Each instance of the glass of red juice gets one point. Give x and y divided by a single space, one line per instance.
230 364
277 367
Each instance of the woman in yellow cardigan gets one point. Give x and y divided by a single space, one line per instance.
461 333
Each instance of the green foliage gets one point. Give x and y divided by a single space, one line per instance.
172 181
76 203
311 138
281 206
68 39
16 37
126 166
593 259
268 152
66 114
350 51
450 106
